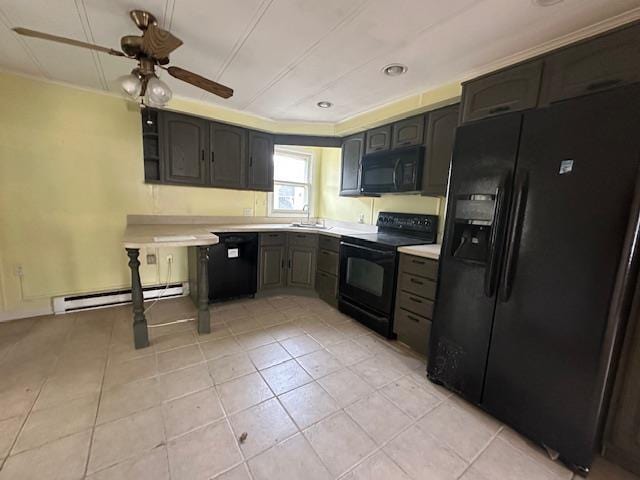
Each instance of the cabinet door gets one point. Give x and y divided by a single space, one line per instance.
407 132
302 267
378 139
260 161
184 147
352 149
228 156
440 133
271 267
506 91
606 62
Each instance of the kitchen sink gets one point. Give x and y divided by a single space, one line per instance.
320 226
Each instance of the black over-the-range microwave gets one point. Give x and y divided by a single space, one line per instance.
394 171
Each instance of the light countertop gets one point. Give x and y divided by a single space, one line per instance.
426 251
181 234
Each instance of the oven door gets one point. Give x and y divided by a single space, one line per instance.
367 276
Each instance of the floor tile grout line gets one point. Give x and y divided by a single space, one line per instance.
95 419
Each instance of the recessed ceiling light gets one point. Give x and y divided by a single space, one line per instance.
545 3
394 69
325 104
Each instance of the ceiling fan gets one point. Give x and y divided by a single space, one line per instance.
150 50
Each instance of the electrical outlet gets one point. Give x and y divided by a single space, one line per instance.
151 259
169 258
19 271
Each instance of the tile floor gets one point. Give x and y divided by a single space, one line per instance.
317 396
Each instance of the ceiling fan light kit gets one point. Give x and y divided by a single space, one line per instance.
150 50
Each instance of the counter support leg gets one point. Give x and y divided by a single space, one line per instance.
203 290
140 333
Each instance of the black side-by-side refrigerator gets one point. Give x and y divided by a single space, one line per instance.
538 266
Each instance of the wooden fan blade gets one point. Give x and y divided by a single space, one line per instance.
68 41
200 82
159 43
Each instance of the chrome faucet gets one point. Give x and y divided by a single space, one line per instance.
305 208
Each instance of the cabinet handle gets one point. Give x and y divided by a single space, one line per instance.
603 84
202 156
408 142
283 264
324 252
251 161
418 282
417 262
289 264
212 156
273 235
503 108
411 317
414 299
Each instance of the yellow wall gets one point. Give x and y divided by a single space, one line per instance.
71 170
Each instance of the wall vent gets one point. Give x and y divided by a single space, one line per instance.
88 301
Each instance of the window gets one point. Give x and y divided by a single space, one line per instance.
291 182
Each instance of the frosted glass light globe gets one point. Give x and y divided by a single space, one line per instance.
158 92
131 85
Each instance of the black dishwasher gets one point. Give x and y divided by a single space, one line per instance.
233 266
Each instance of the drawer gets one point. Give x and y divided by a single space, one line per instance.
413 330
303 239
423 267
596 65
328 261
509 90
327 286
329 243
418 285
415 304
273 238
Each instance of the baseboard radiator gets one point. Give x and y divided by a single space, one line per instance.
88 301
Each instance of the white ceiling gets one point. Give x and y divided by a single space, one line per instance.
283 56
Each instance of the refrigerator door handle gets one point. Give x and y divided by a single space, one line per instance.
496 233
514 234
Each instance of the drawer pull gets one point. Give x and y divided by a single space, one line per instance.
603 84
414 299
411 317
324 252
274 235
418 262
503 108
418 282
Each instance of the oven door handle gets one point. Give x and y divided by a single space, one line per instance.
384 253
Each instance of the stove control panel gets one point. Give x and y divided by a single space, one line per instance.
413 222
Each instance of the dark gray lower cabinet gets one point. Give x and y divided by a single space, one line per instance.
260 161
272 267
415 298
184 147
622 435
439 138
328 269
302 266
228 152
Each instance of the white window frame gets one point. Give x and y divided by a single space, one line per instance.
298 152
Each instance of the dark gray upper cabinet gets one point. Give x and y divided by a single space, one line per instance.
228 156
505 91
260 161
407 132
595 65
378 139
352 150
439 138
184 147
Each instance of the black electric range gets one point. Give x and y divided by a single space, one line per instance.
369 265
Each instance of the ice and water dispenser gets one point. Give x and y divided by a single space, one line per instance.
473 222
